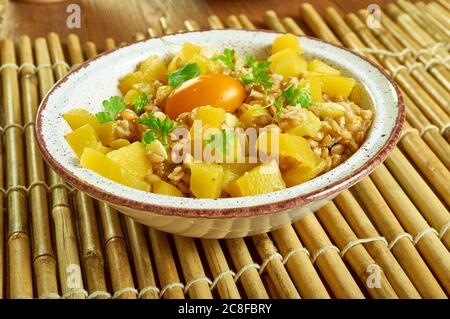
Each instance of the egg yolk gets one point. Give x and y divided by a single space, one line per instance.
217 90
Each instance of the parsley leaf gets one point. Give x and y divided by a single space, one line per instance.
293 96
113 107
258 73
139 102
221 141
183 74
158 129
227 58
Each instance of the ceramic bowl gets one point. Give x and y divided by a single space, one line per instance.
88 85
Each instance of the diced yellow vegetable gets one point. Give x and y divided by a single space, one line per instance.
207 66
262 179
309 127
126 83
322 67
287 63
147 88
106 167
335 85
294 148
158 148
153 68
212 116
286 41
101 148
82 137
164 188
79 117
329 109
301 174
206 180
189 50
121 142
250 116
129 97
133 158
106 133
228 177
239 168
315 86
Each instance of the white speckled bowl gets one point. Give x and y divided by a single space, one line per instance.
96 80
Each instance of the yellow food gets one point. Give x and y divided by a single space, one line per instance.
153 68
265 178
131 94
79 117
287 63
207 66
253 113
187 52
127 82
82 137
315 86
206 180
321 67
330 109
336 85
286 41
133 158
106 133
211 116
164 188
309 127
116 144
301 174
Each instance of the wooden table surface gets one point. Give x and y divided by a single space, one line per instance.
121 19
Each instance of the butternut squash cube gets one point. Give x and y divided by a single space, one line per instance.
286 41
106 133
336 85
133 158
252 115
287 63
82 137
206 180
315 86
329 109
207 66
78 117
310 127
301 174
129 97
119 143
126 83
164 188
322 67
211 116
153 68
265 178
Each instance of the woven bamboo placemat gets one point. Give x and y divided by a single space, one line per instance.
386 237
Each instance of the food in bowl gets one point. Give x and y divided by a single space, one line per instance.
214 125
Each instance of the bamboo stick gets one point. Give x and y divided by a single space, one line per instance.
66 244
165 265
2 219
191 25
191 265
250 279
138 36
233 22
245 22
434 88
44 262
329 262
165 26
215 23
317 25
18 241
444 4
273 22
299 265
279 276
431 248
357 256
116 253
109 44
219 268
291 26
436 13
363 228
385 221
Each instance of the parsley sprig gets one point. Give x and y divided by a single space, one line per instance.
227 58
157 129
113 107
258 74
221 141
183 74
294 96
139 102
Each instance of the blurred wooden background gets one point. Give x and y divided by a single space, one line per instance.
122 19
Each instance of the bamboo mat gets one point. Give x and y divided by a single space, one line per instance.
386 237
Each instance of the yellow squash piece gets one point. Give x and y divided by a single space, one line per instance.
265 178
106 133
335 85
153 68
287 63
163 188
286 41
329 109
82 137
131 94
206 180
301 174
79 117
322 67
309 127
121 142
207 66
232 171
315 86
211 116
187 53
106 167
133 158
126 83
251 115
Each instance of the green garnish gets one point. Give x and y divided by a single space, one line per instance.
293 96
139 102
158 129
227 58
113 107
259 73
221 141
183 74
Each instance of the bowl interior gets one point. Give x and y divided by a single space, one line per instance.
87 86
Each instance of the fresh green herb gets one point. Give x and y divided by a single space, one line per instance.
139 102
221 141
183 74
113 107
158 129
293 96
227 58
258 73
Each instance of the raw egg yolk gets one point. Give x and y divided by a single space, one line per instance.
217 90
